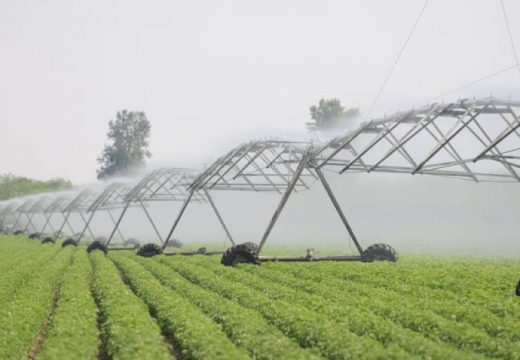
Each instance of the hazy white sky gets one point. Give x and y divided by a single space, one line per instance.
211 73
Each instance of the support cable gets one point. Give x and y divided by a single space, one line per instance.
510 35
397 59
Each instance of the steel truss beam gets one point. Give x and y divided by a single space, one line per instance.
110 199
166 184
275 166
470 139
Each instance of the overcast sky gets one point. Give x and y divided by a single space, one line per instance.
211 73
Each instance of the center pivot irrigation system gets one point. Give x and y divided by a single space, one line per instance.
171 185
474 140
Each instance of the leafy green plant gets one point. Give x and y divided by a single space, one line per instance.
25 314
245 327
197 336
73 332
129 330
294 320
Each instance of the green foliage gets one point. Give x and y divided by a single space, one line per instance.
15 252
197 336
245 327
129 330
24 315
330 115
420 307
128 144
333 340
13 186
73 332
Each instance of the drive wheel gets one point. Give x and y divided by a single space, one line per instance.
69 241
241 253
48 240
379 252
96 245
149 250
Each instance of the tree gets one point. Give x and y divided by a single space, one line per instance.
128 144
330 115
14 186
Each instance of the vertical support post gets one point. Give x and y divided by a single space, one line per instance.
116 226
46 223
62 226
114 222
17 221
151 221
181 211
87 223
88 227
338 209
283 200
220 219
29 222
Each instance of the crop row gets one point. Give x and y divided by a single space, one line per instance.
332 339
407 313
14 251
73 332
197 336
481 282
453 309
246 328
447 304
129 332
364 323
14 280
24 317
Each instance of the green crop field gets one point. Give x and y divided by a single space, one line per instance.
62 303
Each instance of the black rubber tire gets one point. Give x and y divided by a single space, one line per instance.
132 242
48 240
517 292
149 250
241 253
379 252
175 243
96 245
34 235
202 250
69 241
18 232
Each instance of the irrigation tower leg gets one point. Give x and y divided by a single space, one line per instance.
72 231
151 222
17 221
88 226
87 223
181 211
29 223
219 217
46 223
66 218
283 200
338 209
116 226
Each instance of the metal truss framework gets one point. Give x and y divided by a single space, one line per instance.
57 206
8 211
110 199
475 140
20 211
37 208
167 184
266 165
80 205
